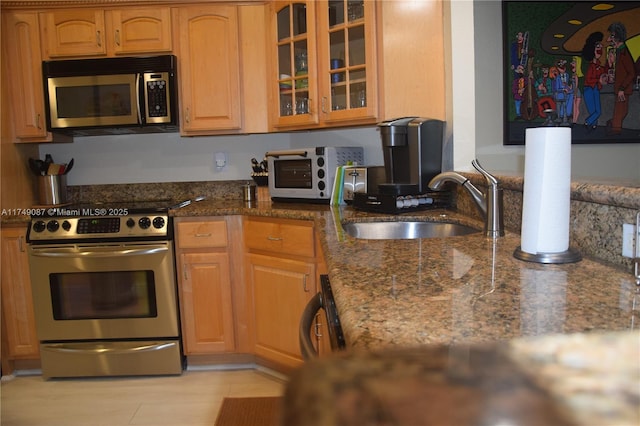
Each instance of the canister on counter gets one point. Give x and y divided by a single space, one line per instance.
249 192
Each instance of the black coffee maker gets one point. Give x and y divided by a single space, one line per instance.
412 149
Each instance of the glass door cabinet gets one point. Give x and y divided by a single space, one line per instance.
326 75
347 60
296 63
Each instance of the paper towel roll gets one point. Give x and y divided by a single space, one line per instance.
547 190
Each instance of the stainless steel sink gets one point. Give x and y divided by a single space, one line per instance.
405 230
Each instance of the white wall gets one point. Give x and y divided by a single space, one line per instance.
170 158
475 118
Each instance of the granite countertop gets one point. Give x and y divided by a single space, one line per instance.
458 289
464 289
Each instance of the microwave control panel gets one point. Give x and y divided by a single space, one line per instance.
157 97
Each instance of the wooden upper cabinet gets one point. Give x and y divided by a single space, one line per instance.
77 32
293 79
23 67
347 61
324 63
415 79
209 67
140 30
96 32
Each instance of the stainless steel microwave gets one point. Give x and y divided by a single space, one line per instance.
308 174
111 95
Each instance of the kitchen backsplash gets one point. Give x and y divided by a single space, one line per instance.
597 214
174 191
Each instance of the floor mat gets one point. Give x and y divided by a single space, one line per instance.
263 411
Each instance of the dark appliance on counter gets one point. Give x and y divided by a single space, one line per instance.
104 290
412 150
111 95
322 301
308 174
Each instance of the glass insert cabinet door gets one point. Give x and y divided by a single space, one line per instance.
325 61
347 64
296 62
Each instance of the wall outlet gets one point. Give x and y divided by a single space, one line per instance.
629 240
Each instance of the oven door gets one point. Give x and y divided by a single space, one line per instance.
104 291
292 177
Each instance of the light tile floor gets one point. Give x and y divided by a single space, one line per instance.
192 399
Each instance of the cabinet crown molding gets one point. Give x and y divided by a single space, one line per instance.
52 4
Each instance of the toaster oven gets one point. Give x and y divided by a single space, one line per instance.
308 174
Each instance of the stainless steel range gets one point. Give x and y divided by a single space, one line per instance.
104 290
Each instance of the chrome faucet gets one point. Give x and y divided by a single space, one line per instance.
490 205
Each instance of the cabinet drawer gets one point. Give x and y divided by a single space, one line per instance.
202 234
283 236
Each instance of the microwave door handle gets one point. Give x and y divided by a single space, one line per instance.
277 154
138 77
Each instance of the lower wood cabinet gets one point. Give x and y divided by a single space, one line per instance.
19 339
281 277
204 283
280 289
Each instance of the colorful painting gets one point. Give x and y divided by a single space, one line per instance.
574 64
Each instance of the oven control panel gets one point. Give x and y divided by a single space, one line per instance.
87 228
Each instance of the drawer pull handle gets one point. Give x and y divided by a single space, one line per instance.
203 235
304 283
274 238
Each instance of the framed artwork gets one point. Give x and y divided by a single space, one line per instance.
573 64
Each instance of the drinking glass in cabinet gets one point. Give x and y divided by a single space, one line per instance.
338 98
302 106
301 63
286 107
359 99
355 10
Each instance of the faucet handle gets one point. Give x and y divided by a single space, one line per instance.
491 181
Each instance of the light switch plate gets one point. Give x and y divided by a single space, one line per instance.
220 160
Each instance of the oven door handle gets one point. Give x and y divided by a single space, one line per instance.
100 349
94 253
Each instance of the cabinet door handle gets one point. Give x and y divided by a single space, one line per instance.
304 283
21 244
324 104
184 272
187 118
117 37
98 39
38 125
